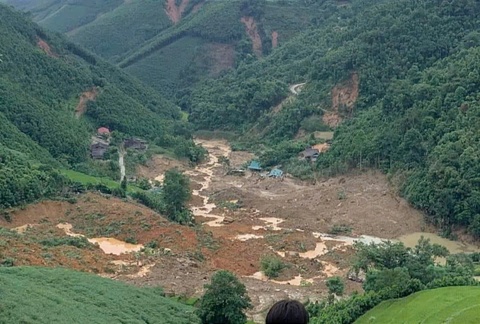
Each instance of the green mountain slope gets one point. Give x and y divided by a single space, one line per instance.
452 304
205 37
42 78
408 95
37 295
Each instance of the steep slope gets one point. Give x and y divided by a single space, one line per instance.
74 297
412 93
172 45
451 304
42 79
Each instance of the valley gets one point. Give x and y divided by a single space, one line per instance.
240 220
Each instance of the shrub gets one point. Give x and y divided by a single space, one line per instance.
271 266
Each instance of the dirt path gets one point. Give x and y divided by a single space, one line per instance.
252 32
296 88
175 12
121 161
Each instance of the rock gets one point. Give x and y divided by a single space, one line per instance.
228 220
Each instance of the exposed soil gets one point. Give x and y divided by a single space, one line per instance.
158 165
344 97
242 235
221 57
252 32
85 97
274 39
175 12
244 219
46 48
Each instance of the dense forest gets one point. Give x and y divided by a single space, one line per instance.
417 110
42 77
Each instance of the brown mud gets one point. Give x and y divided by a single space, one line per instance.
85 97
344 97
254 35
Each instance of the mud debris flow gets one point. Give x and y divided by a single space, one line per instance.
207 172
107 244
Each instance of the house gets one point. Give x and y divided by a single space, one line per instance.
276 173
97 150
255 166
103 131
309 154
135 143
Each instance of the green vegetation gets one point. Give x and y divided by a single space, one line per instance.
87 180
415 115
271 266
394 271
224 301
173 57
451 304
335 286
74 297
176 193
42 77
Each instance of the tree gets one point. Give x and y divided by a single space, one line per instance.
335 286
176 193
224 301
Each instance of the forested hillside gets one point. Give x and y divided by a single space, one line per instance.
42 77
172 45
408 95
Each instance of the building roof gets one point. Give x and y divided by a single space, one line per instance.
103 130
255 165
276 173
310 152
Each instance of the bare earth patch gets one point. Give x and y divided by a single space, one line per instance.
252 32
85 97
274 39
344 96
46 48
175 12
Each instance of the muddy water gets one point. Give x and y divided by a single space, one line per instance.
207 171
271 223
107 244
410 240
246 237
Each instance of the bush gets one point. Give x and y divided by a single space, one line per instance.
271 266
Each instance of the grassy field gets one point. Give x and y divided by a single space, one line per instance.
40 295
88 179
454 305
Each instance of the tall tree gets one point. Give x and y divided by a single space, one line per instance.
176 193
224 301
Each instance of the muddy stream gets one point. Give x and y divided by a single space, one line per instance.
207 171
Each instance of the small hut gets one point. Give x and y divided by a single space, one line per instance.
255 166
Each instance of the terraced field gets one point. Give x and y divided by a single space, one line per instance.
444 305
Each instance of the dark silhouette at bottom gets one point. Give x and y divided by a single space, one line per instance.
287 312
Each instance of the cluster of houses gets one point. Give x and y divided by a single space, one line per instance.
101 142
